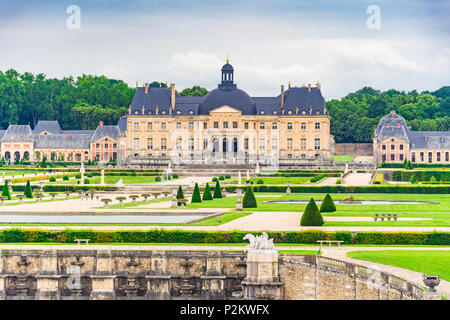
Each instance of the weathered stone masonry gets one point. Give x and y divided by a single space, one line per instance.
103 274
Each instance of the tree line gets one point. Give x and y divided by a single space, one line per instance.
82 102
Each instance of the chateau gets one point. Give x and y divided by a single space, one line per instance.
225 126
394 142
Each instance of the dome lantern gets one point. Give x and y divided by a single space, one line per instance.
227 76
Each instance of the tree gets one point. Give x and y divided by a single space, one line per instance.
28 191
311 216
5 191
180 194
196 195
413 179
207 193
44 162
217 191
249 198
327 204
433 179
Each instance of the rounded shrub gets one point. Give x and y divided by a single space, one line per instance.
207 193
311 216
260 181
327 204
52 179
86 181
217 191
78 176
227 176
175 175
157 179
221 178
249 199
196 194
214 179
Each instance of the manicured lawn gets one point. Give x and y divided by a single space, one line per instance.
218 220
425 261
18 173
342 158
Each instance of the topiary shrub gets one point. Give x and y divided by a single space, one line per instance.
78 176
5 191
196 195
327 204
86 181
175 175
217 191
180 194
65 178
227 176
311 216
157 179
413 179
221 178
249 199
207 193
260 181
28 192
433 179
214 179
52 179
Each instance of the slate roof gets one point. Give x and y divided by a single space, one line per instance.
49 126
307 103
105 131
2 133
122 124
62 141
392 118
390 132
429 139
18 133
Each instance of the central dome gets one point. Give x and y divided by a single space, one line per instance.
235 98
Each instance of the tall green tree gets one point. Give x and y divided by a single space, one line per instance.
196 194
217 191
28 192
207 193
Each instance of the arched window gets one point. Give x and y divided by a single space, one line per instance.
235 145
224 145
215 145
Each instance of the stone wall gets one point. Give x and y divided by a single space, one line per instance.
119 275
361 149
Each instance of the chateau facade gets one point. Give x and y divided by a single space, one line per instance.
394 142
227 125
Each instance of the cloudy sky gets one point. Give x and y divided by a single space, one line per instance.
269 42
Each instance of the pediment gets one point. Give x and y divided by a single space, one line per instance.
226 109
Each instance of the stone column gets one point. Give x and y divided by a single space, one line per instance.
48 279
158 282
239 205
103 280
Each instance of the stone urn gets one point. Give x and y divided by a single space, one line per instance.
431 282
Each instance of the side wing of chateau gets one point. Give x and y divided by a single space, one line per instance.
394 142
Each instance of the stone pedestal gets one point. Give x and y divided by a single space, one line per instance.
174 202
47 287
103 288
427 295
102 177
239 206
158 287
3 286
288 190
262 281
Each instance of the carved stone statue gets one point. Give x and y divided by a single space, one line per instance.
261 243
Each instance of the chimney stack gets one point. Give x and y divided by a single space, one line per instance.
309 87
137 84
146 87
100 124
172 95
282 95
68 137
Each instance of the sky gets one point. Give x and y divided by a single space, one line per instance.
340 43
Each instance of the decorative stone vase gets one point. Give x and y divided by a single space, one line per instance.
431 282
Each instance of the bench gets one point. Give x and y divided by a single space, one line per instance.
79 240
388 216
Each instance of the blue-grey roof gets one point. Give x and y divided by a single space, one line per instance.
429 139
390 132
105 131
90 132
2 133
62 141
18 133
393 119
49 126
122 124
235 98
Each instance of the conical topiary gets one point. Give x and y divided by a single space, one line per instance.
249 199
311 216
207 193
5 191
180 194
327 204
196 195
217 191
28 192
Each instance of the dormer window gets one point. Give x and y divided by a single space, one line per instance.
262 112
191 111
275 112
290 112
178 112
317 112
303 112
149 112
387 124
136 112
163 112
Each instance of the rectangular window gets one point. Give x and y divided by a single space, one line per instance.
97 145
191 126
401 147
392 157
178 125
446 156
205 125
303 126
246 143
422 157
262 143
438 157
317 144
392 146
289 125
178 145
114 145
106 146
163 143
289 144
136 143
401 156
216 125
149 143
274 126
261 126
225 125
430 157
136 126
303 144
149 126
413 157
245 125
274 143
383 157
205 143
383 147
191 143
235 124
163 126
317 126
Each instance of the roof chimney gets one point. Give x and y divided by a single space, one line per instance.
309 87
398 123
318 84
137 84
425 137
282 95
68 137
100 124
442 138
172 95
146 87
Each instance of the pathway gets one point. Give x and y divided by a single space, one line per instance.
357 179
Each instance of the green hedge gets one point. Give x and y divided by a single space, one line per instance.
414 165
422 175
425 189
183 236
